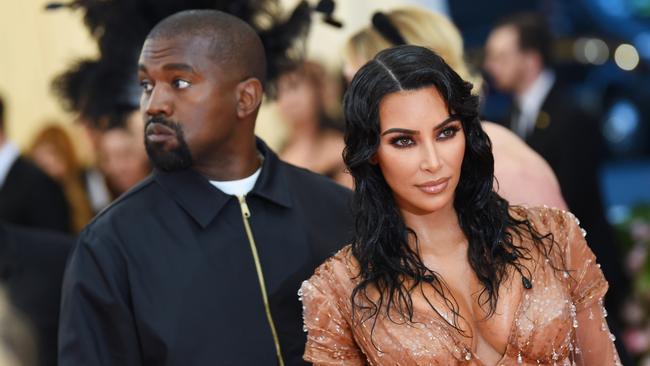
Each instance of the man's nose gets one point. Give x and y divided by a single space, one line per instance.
158 102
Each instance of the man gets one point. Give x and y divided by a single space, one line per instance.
518 58
31 271
200 263
28 197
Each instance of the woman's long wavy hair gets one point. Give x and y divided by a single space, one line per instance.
381 244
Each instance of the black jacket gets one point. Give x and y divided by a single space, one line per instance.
30 198
31 270
165 276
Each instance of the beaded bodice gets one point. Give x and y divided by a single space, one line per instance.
560 320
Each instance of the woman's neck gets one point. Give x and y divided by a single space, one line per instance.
438 233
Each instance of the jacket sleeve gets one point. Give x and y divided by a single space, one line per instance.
96 322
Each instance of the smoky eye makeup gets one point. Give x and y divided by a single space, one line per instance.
449 131
401 141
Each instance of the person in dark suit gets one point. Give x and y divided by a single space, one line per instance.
201 263
28 197
550 120
31 272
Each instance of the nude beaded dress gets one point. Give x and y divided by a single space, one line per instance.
559 321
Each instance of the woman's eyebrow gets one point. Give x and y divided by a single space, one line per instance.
452 118
400 130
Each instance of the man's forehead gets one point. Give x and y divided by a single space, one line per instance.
189 48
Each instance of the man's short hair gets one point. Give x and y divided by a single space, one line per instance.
234 42
533 32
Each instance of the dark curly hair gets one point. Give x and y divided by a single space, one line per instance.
387 263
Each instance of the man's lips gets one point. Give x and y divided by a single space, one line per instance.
434 186
157 132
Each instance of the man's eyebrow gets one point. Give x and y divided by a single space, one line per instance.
179 67
172 66
400 130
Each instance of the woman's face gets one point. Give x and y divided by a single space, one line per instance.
421 150
297 99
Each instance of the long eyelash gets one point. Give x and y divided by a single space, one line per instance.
454 128
395 139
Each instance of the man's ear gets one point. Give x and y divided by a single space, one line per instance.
249 97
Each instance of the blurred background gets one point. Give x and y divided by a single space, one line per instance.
93 151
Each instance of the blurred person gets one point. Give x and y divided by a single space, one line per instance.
28 196
442 270
17 344
315 139
200 263
31 271
53 151
122 159
523 176
518 58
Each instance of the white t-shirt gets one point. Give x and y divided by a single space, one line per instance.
239 187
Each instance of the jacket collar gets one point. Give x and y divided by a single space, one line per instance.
203 201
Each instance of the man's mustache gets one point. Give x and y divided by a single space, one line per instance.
163 121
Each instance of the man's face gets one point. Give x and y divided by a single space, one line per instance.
188 102
504 61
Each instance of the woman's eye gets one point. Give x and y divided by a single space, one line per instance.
181 84
448 132
402 141
146 86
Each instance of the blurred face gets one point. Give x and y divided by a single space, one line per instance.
121 160
50 159
297 99
188 102
504 61
421 150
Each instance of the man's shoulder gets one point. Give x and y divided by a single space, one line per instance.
134 202
26 172
303 178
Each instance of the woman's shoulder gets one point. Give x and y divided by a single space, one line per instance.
545 218
335 277
560 231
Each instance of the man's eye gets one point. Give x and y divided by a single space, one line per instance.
181 84
146 86
402 141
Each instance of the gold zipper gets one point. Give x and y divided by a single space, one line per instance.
246 214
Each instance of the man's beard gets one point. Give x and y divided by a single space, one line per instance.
178 158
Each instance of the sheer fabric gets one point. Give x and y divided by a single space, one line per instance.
559 321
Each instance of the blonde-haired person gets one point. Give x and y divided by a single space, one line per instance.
522 175
53 151
415 26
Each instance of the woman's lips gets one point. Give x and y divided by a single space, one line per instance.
434 186
157 132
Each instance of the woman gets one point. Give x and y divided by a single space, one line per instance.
315 140
519 170
442 271
54 152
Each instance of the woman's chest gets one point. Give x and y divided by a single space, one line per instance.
528 325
